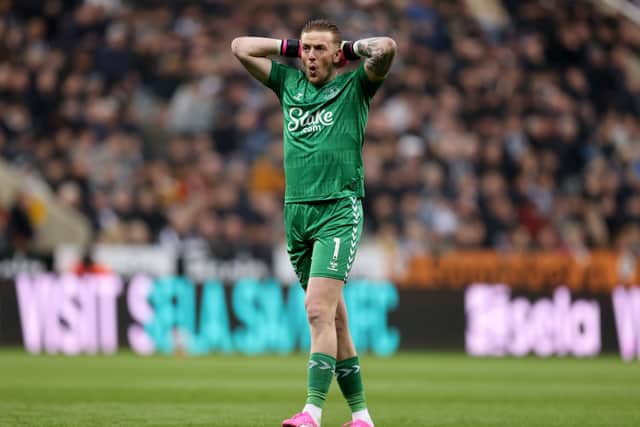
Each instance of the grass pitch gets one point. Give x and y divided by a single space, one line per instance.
409 389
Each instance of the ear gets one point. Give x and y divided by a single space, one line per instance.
338 58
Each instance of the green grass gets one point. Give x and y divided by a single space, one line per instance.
409 389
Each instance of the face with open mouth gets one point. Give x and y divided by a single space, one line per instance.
320 54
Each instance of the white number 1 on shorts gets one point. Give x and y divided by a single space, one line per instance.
336 247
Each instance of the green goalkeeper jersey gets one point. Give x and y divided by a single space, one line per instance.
323 132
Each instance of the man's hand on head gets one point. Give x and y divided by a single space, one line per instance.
347 54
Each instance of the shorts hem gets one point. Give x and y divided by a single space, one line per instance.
327 276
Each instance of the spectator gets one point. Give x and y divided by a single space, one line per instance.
513 126
20 228
87 265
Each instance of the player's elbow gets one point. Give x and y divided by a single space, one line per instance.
389 46
239 47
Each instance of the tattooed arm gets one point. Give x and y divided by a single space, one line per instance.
379 53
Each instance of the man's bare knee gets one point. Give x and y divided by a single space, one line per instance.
319 315
342 326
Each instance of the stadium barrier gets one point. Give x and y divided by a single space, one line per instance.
67 314
537 272
98 313
595 272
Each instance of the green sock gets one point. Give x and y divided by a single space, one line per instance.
350 382
321 369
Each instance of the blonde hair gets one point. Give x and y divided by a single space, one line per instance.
323 25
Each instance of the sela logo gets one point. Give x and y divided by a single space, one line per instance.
498 325
305 122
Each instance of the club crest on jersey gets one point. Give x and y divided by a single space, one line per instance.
305 122
331 92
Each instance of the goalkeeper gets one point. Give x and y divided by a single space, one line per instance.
325 116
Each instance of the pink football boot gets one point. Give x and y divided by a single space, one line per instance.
357 423
299 420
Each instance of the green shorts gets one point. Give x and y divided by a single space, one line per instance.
323 237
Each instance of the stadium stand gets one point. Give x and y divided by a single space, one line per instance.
514 126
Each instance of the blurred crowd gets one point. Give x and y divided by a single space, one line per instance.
505 124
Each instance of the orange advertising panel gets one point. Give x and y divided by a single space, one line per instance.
538 271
